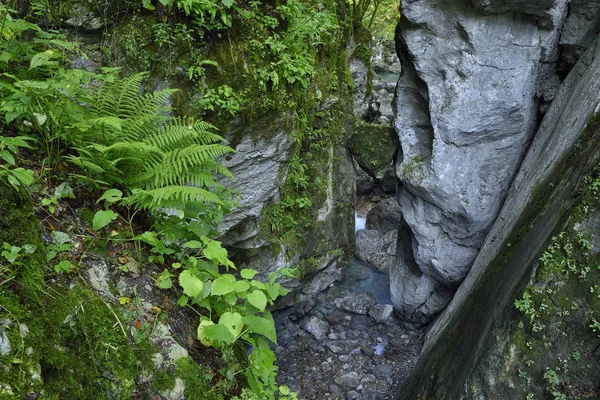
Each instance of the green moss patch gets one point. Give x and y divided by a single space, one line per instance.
70 345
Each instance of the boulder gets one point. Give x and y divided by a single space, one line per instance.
581 20
378 250
466 108
385 216
381 313
357 303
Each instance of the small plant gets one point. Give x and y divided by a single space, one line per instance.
595 325
9 147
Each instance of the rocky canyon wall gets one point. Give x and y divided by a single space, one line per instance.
477 78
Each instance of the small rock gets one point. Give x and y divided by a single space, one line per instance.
352 395
359 387
348 380
325 366
370 378
342 346
383 370
357 303
316 327
381 313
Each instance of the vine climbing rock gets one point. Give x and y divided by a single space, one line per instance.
466 110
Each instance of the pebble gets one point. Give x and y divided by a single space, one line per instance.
349 380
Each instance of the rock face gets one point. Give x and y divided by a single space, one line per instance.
574 37
466 108
259 167
385 216
466 342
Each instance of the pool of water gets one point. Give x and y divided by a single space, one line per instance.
388 77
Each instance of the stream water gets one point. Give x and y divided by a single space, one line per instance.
330 348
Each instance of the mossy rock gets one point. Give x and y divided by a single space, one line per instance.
373 147
70 345
18 227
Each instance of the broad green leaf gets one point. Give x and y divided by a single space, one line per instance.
103 218
223 285
64 265
147 5
41 59
262 326
149 237
60 237
233 322
64 191
191 284
241 286
213 251
164 280
40 118
216 333
248 273
284 390
258 299
182 301
258 285
274 290
272 277
228 3
6 156
29 248
205 290
193 244
231 299
201 332
111 196
20 176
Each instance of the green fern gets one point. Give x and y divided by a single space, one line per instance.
164 161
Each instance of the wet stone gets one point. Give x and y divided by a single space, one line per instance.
342 346
357 303
381 313
348 380
316 327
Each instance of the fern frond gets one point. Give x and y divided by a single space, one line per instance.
180 132
171 196
189 158
113 96
164 161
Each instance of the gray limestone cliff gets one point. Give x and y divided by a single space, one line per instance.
464 352
467 106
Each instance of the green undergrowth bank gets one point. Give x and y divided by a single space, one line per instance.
85 127
554 345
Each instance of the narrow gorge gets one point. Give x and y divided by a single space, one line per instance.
289 199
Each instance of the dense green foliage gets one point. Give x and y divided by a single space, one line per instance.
128 144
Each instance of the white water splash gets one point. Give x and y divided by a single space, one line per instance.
359 222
